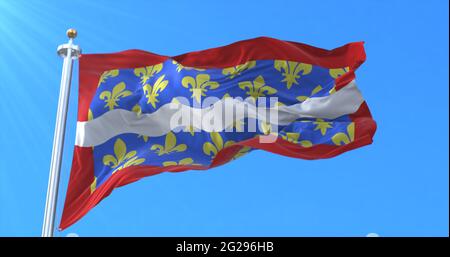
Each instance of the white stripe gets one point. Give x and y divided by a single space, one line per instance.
97 131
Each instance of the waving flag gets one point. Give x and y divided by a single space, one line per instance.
131 104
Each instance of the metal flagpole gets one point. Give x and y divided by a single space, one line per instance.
69 52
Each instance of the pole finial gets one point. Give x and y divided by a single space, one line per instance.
71 33
64 49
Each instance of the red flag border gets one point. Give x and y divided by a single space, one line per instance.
79 199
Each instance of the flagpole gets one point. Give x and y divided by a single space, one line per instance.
69 52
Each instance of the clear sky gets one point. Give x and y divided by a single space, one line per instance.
398 186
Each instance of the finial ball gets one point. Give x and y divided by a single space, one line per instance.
71 33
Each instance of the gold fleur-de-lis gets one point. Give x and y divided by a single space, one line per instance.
244 151
170 145
278 104
199 85
121 158
93 185
138 110
107 74
316 90
236 70
185 161
181 67
90 115
257 88
322 126
335 73
152 92
294 138
145 73
112 97
266 128
190 129
342 138
144 137
292 71
217 144
332 90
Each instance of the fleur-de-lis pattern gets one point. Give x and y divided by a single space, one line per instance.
144 90
146 73
244 151
137 109
322 126
112 97
121 158
266 128
180 67
107 74
170 145
185 161
345 138
212 148
335 73
199 86
257 88
316 90
292 71
295 138
299 81
90 115
93 185
152 92
234 71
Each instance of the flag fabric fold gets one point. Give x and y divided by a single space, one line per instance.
131 103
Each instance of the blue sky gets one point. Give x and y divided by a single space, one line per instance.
398 186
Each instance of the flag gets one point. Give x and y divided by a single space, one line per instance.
140 114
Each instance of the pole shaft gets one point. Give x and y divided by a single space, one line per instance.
58 145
